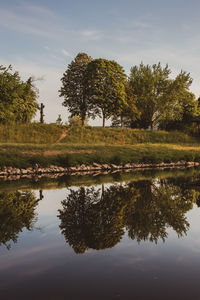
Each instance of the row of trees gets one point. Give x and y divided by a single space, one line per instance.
100 87
148 97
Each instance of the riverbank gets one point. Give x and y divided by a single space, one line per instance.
9 173
24 156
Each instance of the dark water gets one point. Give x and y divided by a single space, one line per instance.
138 239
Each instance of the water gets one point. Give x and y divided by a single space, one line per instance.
137 237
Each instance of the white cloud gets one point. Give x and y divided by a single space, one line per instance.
66 53
36 9
91 35
24 24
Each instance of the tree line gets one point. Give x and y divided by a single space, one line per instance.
148 97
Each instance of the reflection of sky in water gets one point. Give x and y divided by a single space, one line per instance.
42 266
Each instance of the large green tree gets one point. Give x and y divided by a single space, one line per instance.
158 96
105 81
17 98
73 88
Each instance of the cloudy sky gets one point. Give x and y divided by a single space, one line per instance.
41 38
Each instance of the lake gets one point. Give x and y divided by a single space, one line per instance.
120 236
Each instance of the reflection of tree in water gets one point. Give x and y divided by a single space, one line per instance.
17 210
91 219
158 207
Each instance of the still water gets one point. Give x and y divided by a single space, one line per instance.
122 238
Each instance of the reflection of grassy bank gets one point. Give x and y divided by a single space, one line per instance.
26 155
88 180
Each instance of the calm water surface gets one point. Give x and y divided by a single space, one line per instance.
138 239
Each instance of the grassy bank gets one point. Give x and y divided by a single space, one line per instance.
26 155
50 133
25 145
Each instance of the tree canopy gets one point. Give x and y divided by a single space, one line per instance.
158 96
105 81
74 88
17 98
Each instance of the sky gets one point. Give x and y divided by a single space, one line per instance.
40 39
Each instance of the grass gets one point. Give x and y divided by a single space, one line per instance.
30 133
25 145
49 134
26 155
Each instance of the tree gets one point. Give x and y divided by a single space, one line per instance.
105 81
74 88
185 112
17 98
158 96
129 113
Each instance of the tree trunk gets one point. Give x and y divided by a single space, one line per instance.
82 121
102 190
152 124
104 121
122 121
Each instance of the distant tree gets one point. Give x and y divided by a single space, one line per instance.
17 98
105 81
74 88
158 96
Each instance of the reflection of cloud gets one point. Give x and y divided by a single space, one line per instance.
29 255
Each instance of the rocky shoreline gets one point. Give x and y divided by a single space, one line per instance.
10 173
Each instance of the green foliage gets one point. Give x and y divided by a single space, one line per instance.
74 88
17 98
77 122
130 112
17 210
159 97
105 81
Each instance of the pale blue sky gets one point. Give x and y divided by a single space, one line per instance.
42 37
